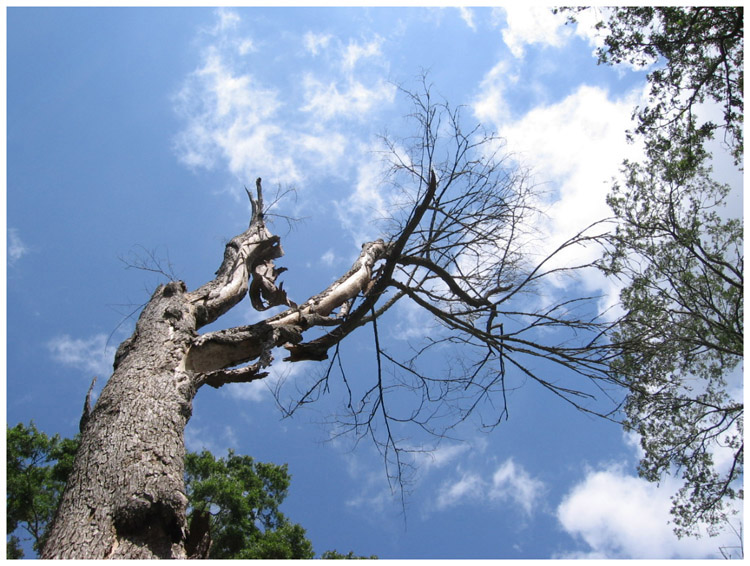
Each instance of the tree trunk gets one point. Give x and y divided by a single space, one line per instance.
125 497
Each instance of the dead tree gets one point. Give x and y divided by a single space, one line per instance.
456 252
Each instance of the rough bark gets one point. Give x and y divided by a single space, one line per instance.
126 496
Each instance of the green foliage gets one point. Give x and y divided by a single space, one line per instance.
243 498
680 257
697 55
682 336
37 469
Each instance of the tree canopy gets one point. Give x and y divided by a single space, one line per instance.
679 254
694 55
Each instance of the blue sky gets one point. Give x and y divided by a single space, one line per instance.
135 129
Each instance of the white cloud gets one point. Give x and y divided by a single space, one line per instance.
536 24
16 248
510 482
355 51
355 100
617 515
314 42
230 117
467 15
368 203
574 148
585 26
328 258
227 22
227 19
233 119
324 151
579 144
469 487
246 46
621 516
490 106
527 24
92 355
442 456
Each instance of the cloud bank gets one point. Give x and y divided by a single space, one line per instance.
615 514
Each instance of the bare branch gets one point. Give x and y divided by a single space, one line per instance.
149 260
460 254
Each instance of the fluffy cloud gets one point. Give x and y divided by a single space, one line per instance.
233 119
490 106
467 15
92 355
585 26
229 117
445 454
328 258
368 202
225 20
354 51
326 149
618 515
526 24
574 148
576 145
510 482
469 487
